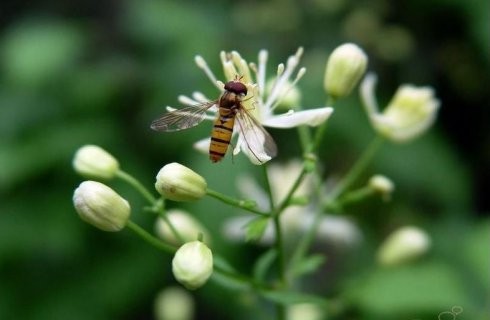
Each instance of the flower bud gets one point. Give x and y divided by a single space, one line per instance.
382 185
179 183
403 245
192 264
187 227
101 206
174 303
345 67
410 113
303 311
94 162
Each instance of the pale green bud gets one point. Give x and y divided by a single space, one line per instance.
100 206
174 303
403 245
305 311
94 162
192 264
409 114
179 183
345 67
187 227
382 185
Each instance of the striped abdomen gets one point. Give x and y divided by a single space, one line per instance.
221 135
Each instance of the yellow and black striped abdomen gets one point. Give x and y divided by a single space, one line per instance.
221 135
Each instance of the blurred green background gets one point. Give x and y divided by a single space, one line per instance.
78 72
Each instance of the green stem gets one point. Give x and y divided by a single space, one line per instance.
291 192
357 169
361 164
145 235
137 185
235 202
172 227
354 196
320 131
268 187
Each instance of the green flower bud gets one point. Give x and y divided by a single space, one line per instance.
94 162
382 185
101 206
192 264
187 227
179 183
345 67
403 245
174 303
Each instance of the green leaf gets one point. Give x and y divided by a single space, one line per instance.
412 289
476 252
309 264
221 263
291 297
263 264
256 228
223 274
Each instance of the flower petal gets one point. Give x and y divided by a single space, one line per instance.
313 118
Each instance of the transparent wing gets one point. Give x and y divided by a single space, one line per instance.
259 143
181 119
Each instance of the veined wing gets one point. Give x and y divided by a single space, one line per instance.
181 119
258 141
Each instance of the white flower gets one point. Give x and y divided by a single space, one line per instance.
410 113
295 219
260 100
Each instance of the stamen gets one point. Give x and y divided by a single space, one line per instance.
299 75
200 97
230 70
187 101
202 64
242 67
263 55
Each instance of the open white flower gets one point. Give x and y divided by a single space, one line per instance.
261 100
410 113
336 230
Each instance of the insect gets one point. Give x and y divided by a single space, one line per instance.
231 113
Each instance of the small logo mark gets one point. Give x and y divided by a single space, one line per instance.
450 315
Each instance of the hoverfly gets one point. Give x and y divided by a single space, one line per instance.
230 111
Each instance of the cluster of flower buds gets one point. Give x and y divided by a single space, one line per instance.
102 207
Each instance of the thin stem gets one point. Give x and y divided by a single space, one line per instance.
235 202
137 185
145 235
357 169
268 186
343 185
291 192
172 227
320 132
354 196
